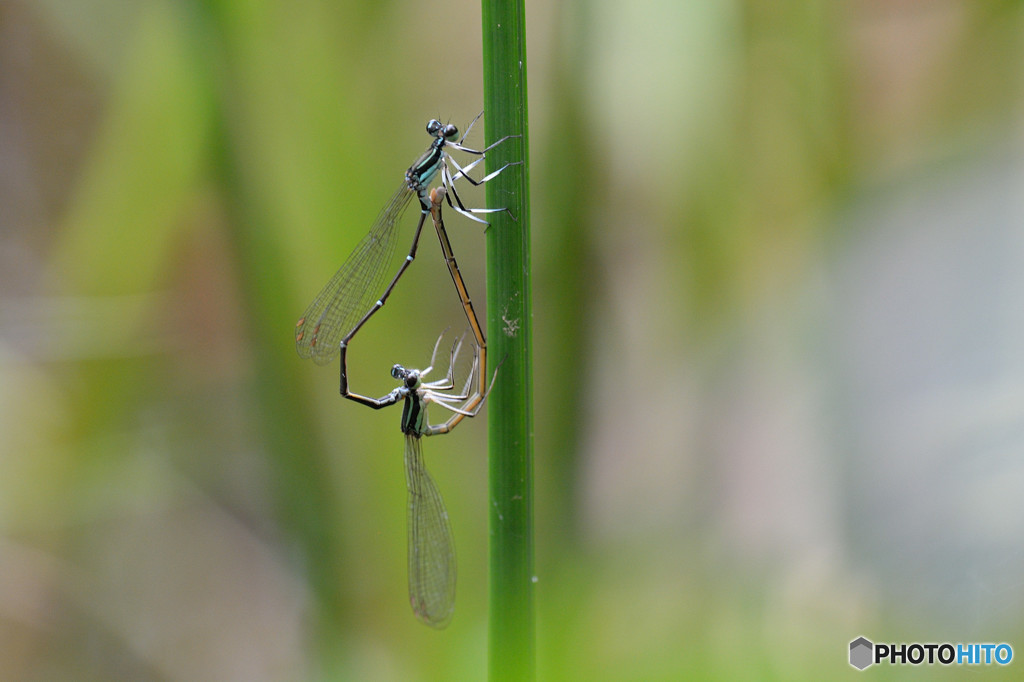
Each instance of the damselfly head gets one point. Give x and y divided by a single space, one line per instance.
410 377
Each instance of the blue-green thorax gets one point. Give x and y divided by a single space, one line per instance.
414 410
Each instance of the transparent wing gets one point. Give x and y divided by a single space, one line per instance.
431 547
354 288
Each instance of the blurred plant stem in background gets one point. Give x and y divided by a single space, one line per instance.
305 497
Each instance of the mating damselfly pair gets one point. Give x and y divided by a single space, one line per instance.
354 294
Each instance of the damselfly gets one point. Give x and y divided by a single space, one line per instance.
430 545
352 295
431 549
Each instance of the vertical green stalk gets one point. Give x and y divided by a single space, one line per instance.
509 332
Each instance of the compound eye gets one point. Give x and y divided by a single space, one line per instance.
398 372
411 379
433 125
450 132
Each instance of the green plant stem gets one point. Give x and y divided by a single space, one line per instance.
509 329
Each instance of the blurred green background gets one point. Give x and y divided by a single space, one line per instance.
779 295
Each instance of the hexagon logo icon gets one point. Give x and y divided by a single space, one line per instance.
861 653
